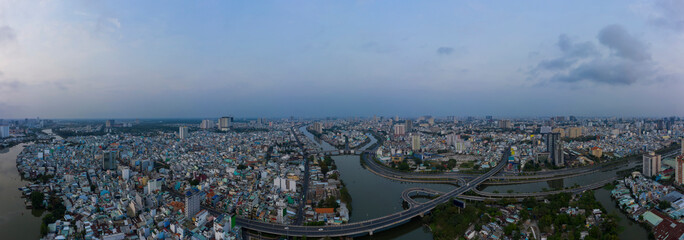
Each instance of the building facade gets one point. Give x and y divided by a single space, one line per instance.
679 170
225 123
183 132
192 203
651 164
4 131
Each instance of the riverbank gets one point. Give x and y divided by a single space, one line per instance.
16 222
629 228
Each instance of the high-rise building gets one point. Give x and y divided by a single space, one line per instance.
207 124
415 142
409 125
505 124
183 132
574 132
4 131
399 129
451 139
651 164
192 203
682 146
109 159
109 123
225 123
559 130
679 170
125 173
318 127
554 146
155 185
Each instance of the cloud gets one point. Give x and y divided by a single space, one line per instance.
7 34
667 14
115 22
623 44
10 85
629 62
445 50
571 53
607 71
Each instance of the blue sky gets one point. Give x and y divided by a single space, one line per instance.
144 59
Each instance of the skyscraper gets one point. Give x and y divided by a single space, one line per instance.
505 124
207 124
192 203
554 146
183 132
109 159
409 125
399 129
679 170
651 164
4 131
225 123
318 127
415 142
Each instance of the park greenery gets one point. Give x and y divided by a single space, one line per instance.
448 221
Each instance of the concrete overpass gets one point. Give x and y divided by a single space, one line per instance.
369 226
408 194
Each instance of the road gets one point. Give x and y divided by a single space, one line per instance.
305 181
373 225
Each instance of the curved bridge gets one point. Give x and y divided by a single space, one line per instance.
408 194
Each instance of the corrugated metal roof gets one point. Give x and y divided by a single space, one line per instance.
653 219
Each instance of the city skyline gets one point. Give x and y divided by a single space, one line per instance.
97 60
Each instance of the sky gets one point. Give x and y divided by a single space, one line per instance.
158 59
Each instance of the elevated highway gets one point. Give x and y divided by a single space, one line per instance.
369 226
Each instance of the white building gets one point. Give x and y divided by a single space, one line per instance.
284 184
154 185
125 173
183 132
225 123
4 131
192 204
415 142
207 124
651 164
399 129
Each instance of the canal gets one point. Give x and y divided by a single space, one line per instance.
630 229
16 222
374 196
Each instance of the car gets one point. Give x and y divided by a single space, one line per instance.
320 229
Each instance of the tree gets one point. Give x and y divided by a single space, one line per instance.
662 205
404 166
37 199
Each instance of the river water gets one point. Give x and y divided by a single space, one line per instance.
630 229
374 196
16 222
